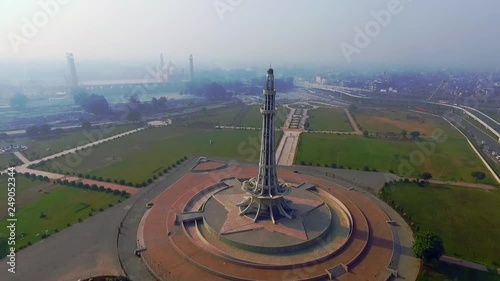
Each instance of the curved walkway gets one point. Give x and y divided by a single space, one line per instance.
162 243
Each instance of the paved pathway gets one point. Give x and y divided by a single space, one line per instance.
409 266
461 183
21 157
354 126
285 153
90 248
463 263
72 150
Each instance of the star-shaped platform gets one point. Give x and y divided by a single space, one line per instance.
291 227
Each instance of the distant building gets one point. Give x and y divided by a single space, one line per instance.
71 78
191 67
167 72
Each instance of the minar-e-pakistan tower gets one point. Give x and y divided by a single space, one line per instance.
265 194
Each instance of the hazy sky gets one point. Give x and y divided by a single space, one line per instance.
447 32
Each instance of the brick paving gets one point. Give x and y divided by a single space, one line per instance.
171 253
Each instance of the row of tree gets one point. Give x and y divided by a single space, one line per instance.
91 103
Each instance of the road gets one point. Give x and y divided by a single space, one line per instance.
493 144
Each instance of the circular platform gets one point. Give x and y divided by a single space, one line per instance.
195 223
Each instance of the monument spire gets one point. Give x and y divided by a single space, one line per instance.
265 194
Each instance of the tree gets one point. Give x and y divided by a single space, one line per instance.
32 131
18 101
90 102
478 175
428 246
365 133
352 107
86 125
414 134
404 133
426 176
134 115
44 129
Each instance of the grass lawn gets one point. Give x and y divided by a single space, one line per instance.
392 120
41 147
466 218
61 206
448 272
328 119
253 118
399 156
26 191
208 119
8 160
38 148
138 157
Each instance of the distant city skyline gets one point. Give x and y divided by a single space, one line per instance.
445 33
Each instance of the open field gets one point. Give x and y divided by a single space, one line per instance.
466 218
328 119
253 118
62 206
8 160
240 115
138 157
447 272
210 118
405 158
26 191
45 146
391 120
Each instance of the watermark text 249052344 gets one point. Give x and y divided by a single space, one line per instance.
11 220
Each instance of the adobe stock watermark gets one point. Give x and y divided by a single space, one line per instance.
31 26
363 37
223 7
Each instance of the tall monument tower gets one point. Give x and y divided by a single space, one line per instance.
191 67
265 194
72 77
